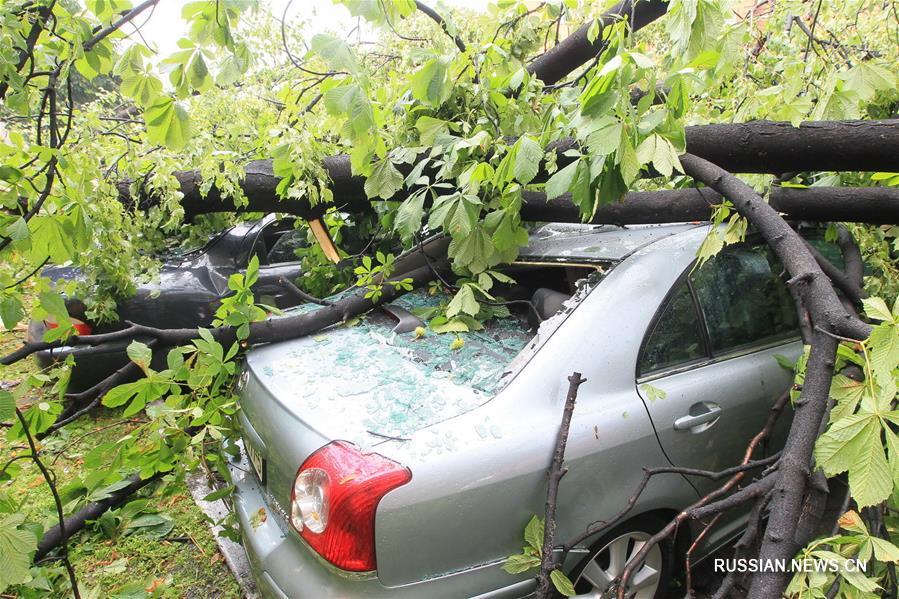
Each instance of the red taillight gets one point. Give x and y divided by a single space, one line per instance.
81 327
334 498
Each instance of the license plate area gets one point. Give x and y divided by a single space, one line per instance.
256 461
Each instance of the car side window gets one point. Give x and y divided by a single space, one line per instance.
285 246
675 338
743 298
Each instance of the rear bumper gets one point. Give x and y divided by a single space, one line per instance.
284 567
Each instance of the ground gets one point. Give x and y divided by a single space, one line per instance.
181 562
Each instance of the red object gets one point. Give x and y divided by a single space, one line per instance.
356 482
82 328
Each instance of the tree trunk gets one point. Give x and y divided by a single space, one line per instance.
756 147
776 147
871 205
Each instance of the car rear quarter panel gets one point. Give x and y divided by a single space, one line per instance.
480 477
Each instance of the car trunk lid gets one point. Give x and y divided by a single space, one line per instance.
364 383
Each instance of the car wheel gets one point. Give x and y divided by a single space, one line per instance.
595 575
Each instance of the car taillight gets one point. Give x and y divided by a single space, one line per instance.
334 498
81 327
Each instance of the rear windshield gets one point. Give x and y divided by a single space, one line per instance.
539 294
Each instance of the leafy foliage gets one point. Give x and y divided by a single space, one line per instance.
452 139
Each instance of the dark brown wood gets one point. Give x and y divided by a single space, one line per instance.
556 472
871 205
757 147
575 50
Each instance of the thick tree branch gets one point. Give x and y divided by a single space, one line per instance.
829 318
58 535
874 205
758 147
576 49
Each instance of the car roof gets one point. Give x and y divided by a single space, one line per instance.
563 242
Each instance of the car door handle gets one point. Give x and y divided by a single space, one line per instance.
712 412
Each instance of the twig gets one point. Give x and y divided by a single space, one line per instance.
556 472
49 479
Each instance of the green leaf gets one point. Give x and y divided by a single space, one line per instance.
198 72
562 583
533 534
384 181
351 102
429 128
11 311
431 84
167 123
336 53
528 156
120 395
409 215
16 546
884 344
516 564
661 153
561 181
876 309
884 551
140 354
464 301
7 406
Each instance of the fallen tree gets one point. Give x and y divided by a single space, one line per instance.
758 147
714 153
871 205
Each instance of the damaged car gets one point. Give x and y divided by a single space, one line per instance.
187 292
380 460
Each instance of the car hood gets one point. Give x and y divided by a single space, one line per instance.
363 382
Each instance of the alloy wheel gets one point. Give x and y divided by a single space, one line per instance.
598 578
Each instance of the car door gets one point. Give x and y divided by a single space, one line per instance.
708 372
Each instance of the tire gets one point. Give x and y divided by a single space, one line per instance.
608 555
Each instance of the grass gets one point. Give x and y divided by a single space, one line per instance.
185 562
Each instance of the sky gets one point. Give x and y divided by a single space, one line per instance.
165 26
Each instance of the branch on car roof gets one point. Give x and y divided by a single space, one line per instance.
548 561
300 294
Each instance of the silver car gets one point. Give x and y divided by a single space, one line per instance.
382 463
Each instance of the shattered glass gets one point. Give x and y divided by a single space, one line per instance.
386 384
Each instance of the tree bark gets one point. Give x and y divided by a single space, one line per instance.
756 147
54 538
871 205
829 318
575 50
874 205
772 147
